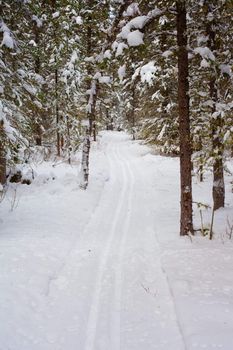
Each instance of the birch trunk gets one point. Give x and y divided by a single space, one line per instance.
85 161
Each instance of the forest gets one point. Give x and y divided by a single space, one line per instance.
70 68
116 146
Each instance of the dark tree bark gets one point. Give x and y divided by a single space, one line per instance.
186 221
2 156
218 191
132 116
68 141
38 129
57 114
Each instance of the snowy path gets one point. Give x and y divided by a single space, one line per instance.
112 305
95 271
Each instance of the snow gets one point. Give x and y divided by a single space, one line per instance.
204 63
56 14
79 20
91 92
120 48
105 79
90 59
202 39
138 22
226 68
167 53
135 38
7 40
107 54
29 88
205 53
121 72
97 75
147 72
9 131
105 268
38 21
33 43
2 116
132 10
163 20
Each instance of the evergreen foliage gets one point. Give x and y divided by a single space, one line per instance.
114 64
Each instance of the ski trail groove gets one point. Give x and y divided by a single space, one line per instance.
170 293
58 271
116 331
174 307
138 170
94 308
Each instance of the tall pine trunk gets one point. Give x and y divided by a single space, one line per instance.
57 115
186 220
218 190
54 8
2 156
38 129
132 117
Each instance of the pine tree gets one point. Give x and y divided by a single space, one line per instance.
186 225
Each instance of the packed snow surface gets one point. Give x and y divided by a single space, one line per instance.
105 268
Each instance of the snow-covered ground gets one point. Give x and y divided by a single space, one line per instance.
105 269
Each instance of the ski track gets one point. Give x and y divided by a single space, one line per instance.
169 288
94 309
119 267
105 268
138 170
58 271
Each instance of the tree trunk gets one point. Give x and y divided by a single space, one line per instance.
38 129
85 160
133 112
186 221
57 114
217 148
2 156
57 117
92 113
218 191
68 141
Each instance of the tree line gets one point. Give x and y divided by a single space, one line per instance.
162 69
